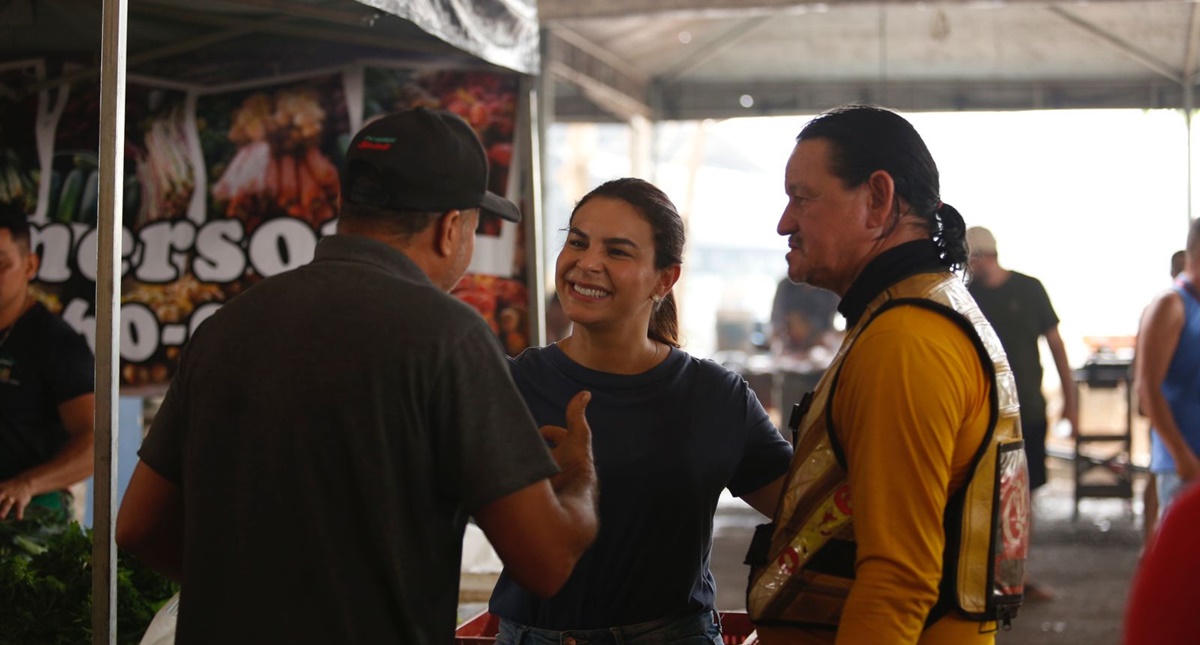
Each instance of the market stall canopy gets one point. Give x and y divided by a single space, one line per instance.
207 42
236 116
689 59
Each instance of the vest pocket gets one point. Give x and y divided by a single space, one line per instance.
1012 522
987 538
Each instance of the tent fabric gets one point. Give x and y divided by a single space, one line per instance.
502 32
250 38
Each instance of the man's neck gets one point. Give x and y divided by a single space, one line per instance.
907 231
996 277
11 314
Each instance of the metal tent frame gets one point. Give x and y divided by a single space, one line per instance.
163 39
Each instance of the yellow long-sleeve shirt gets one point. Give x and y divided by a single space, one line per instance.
910 410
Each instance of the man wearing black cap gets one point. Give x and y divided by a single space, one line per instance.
310 473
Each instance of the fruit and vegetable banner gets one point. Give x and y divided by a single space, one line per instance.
274 152
496 281
19 168
224 187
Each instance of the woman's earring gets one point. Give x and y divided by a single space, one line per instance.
656 298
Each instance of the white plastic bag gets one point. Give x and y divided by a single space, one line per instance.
162 629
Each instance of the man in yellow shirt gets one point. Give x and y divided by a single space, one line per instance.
884 533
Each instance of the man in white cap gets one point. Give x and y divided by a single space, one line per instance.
1019 309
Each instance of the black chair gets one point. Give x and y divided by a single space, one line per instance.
1103 464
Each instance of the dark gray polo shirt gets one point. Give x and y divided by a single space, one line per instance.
332 428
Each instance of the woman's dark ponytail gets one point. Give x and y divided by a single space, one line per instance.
664 321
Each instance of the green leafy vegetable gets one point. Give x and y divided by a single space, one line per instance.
46 585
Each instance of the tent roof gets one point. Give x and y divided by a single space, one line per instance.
221 41
685 59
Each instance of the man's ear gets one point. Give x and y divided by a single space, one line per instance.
32 262
447 229
881 198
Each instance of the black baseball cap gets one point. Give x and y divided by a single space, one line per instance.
421 160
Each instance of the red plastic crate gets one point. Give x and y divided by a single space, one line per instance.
482 628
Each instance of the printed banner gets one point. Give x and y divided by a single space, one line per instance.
496 281
223 188
19 168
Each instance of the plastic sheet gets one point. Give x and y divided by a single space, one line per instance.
501 32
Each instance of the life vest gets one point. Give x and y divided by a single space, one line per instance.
802 564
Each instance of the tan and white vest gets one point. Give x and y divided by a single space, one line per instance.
806 572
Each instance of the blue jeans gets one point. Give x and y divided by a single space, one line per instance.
697 629
1168 486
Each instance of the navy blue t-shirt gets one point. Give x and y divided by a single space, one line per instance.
666 443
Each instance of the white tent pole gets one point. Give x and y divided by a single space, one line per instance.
1188 81
656 115
529 143
541 116
1188 106
112 140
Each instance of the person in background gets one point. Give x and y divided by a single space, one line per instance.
670 433
802 317
1167 378
1019 309
1150 492
1161 598
47 383
557 324
913 423
311 471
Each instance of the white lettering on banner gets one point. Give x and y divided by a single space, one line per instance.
200 315
281 244
53 243
329 228
218 256
142 334
86 256
85 251
75 314
160 252
139 332
165 245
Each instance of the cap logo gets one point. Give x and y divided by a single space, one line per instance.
376 143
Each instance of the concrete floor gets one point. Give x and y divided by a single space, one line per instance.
1088 563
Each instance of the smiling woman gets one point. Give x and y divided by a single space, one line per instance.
617 268
670 432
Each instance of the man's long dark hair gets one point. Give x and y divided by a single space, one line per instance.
865 138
